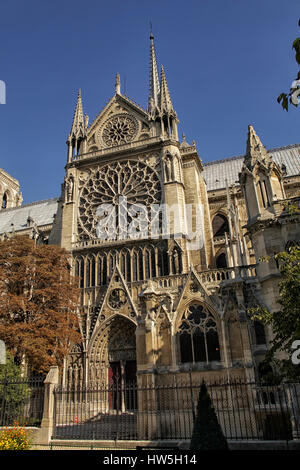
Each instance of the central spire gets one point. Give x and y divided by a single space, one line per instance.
154 78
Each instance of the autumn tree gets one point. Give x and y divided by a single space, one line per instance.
38 302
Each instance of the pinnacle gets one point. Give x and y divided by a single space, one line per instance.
165 102
78 120
255 150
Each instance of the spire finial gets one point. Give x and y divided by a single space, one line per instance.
118 84
154 80
78 121
151 33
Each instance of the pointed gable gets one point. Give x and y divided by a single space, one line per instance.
116 300
255 150
120 122
193 289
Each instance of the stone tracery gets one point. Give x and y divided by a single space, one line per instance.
114 197
118 130
198 336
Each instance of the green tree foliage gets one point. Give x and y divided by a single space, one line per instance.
207 432
13 392
286 98
286 321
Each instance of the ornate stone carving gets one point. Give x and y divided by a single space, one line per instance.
69 187
197 316
168 168
114 341
121 186
119 130
117 298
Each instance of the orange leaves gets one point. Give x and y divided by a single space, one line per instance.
38 301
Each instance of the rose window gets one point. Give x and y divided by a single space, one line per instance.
119 201
117 298
119 130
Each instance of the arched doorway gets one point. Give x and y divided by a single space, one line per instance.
112 359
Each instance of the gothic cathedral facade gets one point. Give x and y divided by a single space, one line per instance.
167 254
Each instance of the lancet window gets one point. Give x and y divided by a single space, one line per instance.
198 336
136 264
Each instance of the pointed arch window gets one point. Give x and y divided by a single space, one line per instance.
102 270
79 271
4 201
141 266
147 264
163 262
198 336
260 334
128 267
93 271
88 273
134 266
220 225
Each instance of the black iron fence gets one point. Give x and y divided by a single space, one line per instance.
21 401
167 411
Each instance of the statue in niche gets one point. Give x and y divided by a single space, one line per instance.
69 186
177 168
169 168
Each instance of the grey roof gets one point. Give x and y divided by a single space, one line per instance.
215 173
41 212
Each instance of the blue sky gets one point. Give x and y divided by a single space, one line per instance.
226 61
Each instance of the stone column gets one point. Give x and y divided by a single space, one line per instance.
47 422
70 151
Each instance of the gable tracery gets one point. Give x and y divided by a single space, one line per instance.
117 130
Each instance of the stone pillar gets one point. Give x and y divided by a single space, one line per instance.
70 151
47 422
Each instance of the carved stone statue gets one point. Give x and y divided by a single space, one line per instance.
69 186
169 170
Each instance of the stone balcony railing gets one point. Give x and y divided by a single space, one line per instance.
211 279
118 149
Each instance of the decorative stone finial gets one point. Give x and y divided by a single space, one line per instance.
118 84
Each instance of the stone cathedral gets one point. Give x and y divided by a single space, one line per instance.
166 247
